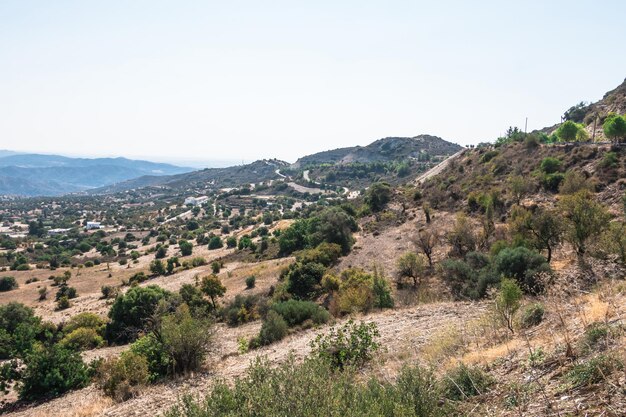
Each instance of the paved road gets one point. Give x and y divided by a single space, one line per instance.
436 170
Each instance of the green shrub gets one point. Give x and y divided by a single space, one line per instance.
121 378
157 267
130 314
593 371
193 297
243 309
524 265
531 315
296 312
67 292
314 388
215 243
19 328
378 195
552 182
85 320
470 277
488 156
463 382
50 372
596 338
303 279
63 303
157 359
348 345
273 329
108 291
7 284
186 248
82 339
326 254
250 282
185 339
550 165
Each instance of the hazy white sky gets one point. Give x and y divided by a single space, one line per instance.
258 79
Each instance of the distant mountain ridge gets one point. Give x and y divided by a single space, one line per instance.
381 150
261 170
38 174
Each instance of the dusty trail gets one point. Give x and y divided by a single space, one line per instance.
403 332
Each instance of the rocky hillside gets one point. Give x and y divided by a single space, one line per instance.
383 150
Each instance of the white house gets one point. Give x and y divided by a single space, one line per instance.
196 201
57 232
93 225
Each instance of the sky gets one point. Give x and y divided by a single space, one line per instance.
244 80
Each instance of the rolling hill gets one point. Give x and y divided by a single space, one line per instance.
383 150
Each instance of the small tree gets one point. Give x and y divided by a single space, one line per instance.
586 219
508 301
615 128
570 131
426 240
349 345
519 187
378 195
157 267
186 248
461 237
215 243
544 228
185 339
410 266
212 287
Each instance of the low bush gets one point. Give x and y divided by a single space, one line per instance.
596 338
67 292
50 372
108 291
314 388
593 371
132 312
250 282
158 361
273 329
463 382
82 339
349 345
243 309
524 265
122 378
215 243
19 328
85 320
531 315
7 284
296 312
137 278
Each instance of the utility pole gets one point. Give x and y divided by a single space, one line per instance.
525 126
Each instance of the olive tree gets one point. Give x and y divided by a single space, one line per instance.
586 219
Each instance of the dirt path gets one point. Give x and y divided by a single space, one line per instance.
436 170
403 332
